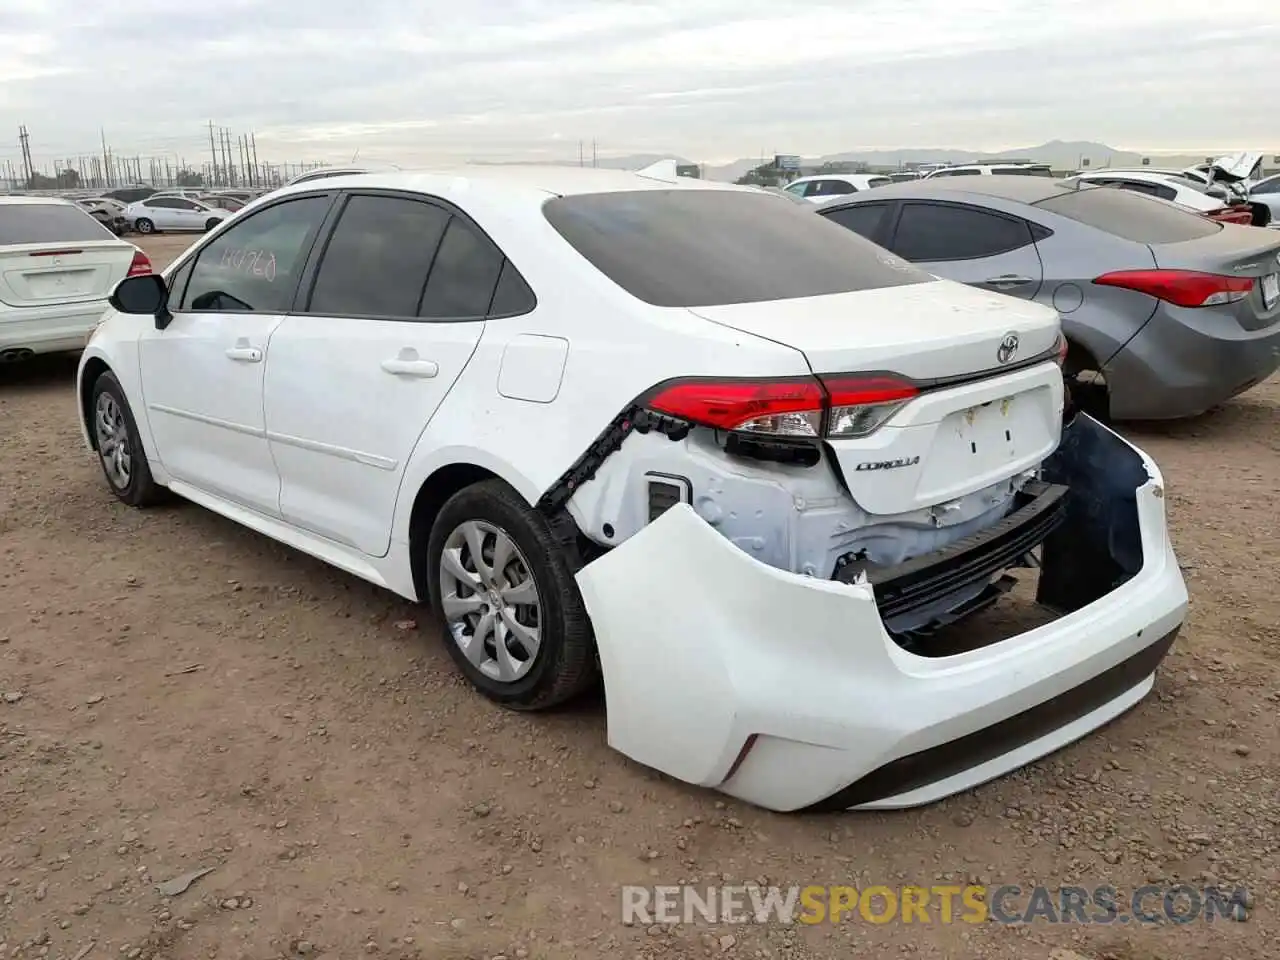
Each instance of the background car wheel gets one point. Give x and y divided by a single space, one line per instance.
124 462
211 223
143 225
513 618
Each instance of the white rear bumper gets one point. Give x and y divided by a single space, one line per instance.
50 329
787 692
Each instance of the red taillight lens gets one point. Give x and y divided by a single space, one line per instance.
853 406
790 407
1232 215
859 405
141 265
1183 288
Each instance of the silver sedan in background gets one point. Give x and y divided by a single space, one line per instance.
1175 311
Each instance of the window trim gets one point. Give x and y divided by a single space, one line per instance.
1022 221
311 268
193 256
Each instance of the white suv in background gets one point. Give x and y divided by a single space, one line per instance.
993 169
687 437
825 186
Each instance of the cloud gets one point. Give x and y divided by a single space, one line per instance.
709 79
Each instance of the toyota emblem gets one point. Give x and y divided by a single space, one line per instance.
1008 348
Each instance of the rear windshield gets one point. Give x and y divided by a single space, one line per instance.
1129 215
47 223
698 248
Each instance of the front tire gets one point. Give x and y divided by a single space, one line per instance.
514 621
143 225
211 223
124 462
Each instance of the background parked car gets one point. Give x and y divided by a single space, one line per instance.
1217 202
110 213
1177 312
131 194
1267 193
992 169
58 265
825 186
221 201
159 213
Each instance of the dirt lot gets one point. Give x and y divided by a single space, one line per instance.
181 693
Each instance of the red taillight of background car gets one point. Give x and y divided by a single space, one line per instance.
141 265
1183 288
797 407
1240 215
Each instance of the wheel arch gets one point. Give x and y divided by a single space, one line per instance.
91 369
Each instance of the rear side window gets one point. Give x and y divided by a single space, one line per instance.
932 231
48 223
375 263
464 275
1266 187
512 296
696 248
879 182
958 173
864 219
1130 216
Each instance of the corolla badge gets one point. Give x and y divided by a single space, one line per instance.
1008 348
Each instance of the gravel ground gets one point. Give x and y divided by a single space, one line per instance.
180 693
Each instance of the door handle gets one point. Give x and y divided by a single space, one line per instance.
245 354
1010 280
404 367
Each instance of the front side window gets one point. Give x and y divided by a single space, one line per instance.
797 189
375 263
864 219
254 266
934 232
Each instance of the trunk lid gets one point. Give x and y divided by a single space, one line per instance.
980 417
45 274
1234 251
924 331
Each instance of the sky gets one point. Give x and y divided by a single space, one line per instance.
710 80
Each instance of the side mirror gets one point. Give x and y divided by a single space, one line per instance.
145 295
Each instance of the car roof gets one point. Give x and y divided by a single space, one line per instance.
1019 188
509 178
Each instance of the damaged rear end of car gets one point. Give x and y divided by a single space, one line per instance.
777 562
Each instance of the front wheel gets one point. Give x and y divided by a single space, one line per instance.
513 619
211 223
143 225
124 462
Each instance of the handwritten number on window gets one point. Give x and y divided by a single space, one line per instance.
259 263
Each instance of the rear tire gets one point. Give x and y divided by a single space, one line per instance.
143 225
521 589
120 452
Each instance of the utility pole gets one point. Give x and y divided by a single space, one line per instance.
580 153
213 152
106 159
24 139
594 162
257 171
242 142
226 157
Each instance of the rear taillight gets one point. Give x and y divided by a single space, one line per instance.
1183 288
141 266
792 407
1060 348
1232 215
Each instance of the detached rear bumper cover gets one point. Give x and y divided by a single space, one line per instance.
706 651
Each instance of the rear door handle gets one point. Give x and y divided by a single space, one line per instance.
1010 280
245 354
402 367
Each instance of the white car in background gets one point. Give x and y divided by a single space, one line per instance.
168 212
731 457
825 186
58 264
1267 193
1177 188
992 170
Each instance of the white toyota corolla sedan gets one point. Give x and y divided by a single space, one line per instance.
732 459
